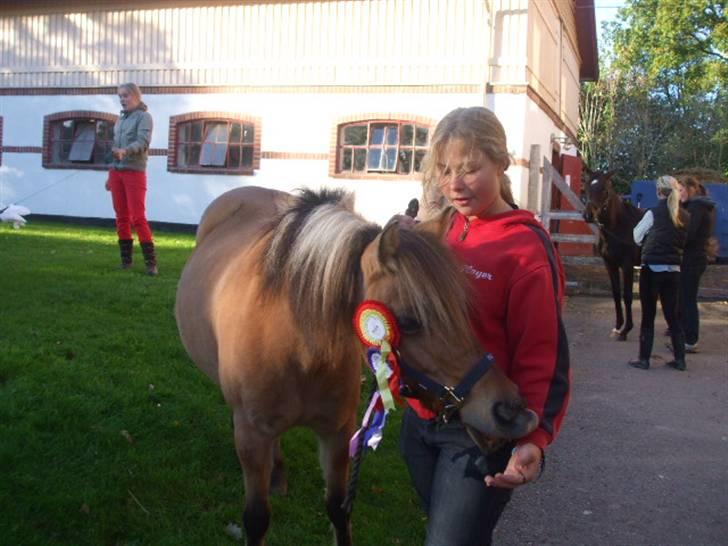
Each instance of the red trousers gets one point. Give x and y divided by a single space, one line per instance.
128 193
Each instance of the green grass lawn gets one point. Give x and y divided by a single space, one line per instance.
110 435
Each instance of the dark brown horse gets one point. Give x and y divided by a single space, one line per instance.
265 307
616 220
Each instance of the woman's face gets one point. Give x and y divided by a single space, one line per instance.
684 193
470 180
128 100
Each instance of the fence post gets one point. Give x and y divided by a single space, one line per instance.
534 177
546 194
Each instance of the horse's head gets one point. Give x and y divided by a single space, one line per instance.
599 190
417 277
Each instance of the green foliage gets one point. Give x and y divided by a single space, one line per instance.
662 102
111 436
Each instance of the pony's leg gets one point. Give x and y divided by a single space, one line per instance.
613 271
255 452
278 480
334 458
628 277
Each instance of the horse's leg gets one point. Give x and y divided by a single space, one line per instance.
278 480
628 277
613 271
255 452
334 457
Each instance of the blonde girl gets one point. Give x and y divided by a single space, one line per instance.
662 235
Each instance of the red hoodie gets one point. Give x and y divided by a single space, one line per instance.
515 311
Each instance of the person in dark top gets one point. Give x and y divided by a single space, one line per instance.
662 233
695 257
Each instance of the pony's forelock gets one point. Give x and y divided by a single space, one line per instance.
433 286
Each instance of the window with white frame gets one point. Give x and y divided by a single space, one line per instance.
214 144
382 147
78 140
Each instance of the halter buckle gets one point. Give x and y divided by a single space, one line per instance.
451 404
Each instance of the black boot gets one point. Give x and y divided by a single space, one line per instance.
678 349
125 248
646 339
678 364
150 258
640 363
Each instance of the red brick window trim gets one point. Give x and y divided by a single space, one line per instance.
214 143
389 147
78 139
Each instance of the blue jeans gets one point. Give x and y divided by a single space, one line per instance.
461 510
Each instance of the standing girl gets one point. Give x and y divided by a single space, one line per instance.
695 257
128 178
662 234
517 282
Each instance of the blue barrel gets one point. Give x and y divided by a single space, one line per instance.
644 196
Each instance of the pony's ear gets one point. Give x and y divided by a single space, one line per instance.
610 174
438 225
389 246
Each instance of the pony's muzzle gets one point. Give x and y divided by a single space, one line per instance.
507 418
514 419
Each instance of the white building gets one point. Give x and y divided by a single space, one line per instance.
280 94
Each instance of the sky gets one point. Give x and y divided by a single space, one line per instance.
605 10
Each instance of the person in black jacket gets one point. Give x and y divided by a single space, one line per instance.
695 258
662 233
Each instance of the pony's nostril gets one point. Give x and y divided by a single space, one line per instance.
505 413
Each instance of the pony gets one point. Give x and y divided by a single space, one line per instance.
616 220
265 308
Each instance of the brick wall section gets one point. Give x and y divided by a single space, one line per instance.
221 116
62 116
375 116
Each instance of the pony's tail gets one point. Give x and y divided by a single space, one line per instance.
670 188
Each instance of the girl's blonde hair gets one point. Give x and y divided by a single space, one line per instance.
133 89
480 128
669 187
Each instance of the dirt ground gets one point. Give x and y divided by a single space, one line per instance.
642 458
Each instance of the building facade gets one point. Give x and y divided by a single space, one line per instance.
282 94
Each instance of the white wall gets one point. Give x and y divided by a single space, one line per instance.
525 124
289 123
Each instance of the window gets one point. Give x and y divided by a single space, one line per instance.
78 140
382 147
213 144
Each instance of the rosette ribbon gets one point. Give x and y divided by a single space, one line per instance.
377 329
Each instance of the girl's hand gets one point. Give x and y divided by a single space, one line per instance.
119 153
107 185
523 467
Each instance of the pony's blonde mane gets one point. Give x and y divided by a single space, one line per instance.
314 254
313 258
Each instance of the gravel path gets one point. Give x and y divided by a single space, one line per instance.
642 458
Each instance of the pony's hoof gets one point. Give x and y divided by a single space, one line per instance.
622 337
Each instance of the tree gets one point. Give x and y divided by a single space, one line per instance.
662 102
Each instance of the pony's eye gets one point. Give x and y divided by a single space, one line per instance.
409 325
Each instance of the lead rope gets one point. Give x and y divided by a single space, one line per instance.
348 504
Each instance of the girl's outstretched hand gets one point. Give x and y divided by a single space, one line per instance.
524 466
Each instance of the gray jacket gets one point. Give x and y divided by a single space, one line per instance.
133 131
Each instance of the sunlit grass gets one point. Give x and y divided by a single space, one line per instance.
109 434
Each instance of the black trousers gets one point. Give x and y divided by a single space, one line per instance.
666 287
690 273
